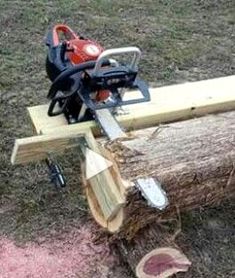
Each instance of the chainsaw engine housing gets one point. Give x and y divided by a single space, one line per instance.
71 51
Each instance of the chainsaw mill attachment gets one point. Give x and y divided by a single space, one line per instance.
88 84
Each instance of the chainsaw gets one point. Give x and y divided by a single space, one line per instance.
85 77
89 84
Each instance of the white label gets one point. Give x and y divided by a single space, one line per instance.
91 49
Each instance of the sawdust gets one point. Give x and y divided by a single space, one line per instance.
72 255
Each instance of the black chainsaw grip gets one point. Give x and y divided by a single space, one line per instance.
66 74
56 61
60 109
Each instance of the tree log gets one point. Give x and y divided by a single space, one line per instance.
153 253
193 160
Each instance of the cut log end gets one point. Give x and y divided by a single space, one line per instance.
162 263
112 225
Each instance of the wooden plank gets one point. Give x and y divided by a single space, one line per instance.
38 147
169 103
40 119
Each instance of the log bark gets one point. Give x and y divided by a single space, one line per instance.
153 253
193 160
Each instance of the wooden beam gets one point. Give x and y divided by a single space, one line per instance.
38 147
167 104
40 119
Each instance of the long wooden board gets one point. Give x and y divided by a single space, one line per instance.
31 149
167 104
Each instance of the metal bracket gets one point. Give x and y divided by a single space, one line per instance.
56 174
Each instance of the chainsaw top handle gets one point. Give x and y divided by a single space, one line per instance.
117 51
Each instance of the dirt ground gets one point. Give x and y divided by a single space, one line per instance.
181 41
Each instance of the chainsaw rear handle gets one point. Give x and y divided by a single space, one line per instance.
60 109
52 38
117 51
62 99
56 59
